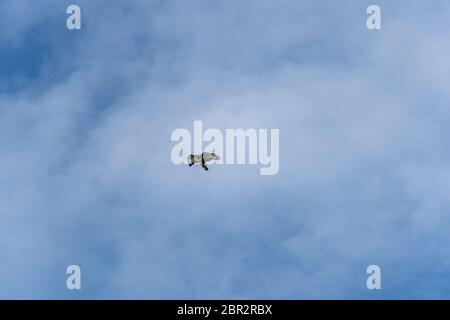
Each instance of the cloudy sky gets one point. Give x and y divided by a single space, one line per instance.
86 175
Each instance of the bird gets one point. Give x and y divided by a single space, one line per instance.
202 158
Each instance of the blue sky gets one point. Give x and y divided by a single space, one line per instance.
86 176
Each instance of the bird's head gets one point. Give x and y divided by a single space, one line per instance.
215 157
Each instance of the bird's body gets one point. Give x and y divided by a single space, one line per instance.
202 159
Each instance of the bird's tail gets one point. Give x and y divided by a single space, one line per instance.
190 159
